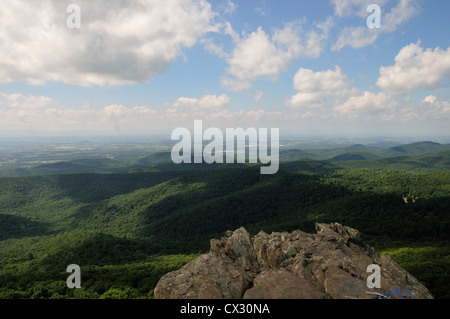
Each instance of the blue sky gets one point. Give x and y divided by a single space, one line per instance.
305 67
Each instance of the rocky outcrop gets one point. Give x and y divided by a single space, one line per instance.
331 264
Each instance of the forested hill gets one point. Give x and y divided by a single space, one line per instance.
127 229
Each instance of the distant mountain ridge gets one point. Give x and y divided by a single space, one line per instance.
161 161
414 149
363 152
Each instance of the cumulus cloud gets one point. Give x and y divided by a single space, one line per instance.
430 108
256 56
367 104
259 55
313 88
439 106
330 92
306 80
120 41
430 99
361 36
416 68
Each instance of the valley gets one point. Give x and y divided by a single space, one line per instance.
130 219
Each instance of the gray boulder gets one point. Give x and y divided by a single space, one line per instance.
331 264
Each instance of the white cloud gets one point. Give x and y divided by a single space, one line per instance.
118 117
430 99
259 55
306 99
310 46
416 68
431 108
329 92
228 30
21 112
205 102
439 106
213 48
356 37
405 10
115 110
367 104
234 85
228 6
120 42
306 80
257 95
24 102
313 88
361 36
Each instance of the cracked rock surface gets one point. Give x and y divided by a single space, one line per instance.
331 264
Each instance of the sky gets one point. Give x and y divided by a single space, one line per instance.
150 66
